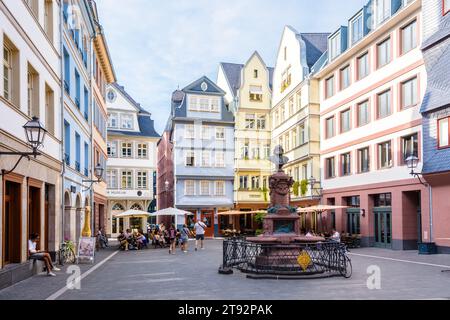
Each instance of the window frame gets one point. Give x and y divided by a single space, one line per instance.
202 184
327 170
129 146
415 92
207 164
222 188
219 164
327 126
327 87
413 38
347 69
141 175
192 158
359 18
7 65
187 187
219 135
110 145
341 114
140 148
402 146
346 156
360 159
124 117
391 158
187 129
439 134
358 113
379 116
127 174
445 9
387 40
358 66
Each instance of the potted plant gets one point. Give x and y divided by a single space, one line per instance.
304 187
295 188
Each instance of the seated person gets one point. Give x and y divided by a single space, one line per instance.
140 240
35 254
102 239
123 240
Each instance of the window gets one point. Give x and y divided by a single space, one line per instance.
291 106
127 150
48 19
77 89
446 6
205 188
444 134
357 28
330 127
285 53
409 37
77 152
49 110
127 179
34 6
255 74
142 150
330 169
305 172
283 113
206 158
261 122
142 179
363 113
111 179
409 93
190 131
383 10
193 104
410 147
189 188
33 92
345 77
335 46
112 149
126 121
190 159
287 142
363 66
345 121
204 104
206 135
384 52
255 183
267 151
298 100
214 105
384 155
329 89
220 188
346 164
303 134
66 72
245 151
220 133
7 73
220 159
67 139
383 200
256 93
363 160
243 182
255 152
277 118
250 121
384 104
294 138
86 104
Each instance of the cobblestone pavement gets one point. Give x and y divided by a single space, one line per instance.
154 274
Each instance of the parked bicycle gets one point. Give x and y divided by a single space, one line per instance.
67 253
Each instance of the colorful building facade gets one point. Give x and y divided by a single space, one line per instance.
249 96
131 164
436 113
203 153
295 109
371 88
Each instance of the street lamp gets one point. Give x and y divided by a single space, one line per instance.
35 134
412 162
98 173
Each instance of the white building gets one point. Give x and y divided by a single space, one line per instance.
30 87
131 166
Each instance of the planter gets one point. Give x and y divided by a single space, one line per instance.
427 248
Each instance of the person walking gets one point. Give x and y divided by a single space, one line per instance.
172 234
185 232
200 228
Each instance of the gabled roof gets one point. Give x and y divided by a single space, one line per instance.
196 87
121 89
232 73
146 128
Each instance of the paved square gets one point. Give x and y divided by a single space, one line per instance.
154 274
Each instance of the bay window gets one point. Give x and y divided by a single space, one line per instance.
443 133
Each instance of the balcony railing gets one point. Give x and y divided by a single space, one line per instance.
77 102
86 116
86 172
67 159
67 87
77 166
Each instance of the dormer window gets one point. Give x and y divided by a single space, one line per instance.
126 121
335 46
256 93
382 10
113 121
357 27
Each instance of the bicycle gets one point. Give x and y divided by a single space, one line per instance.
67 253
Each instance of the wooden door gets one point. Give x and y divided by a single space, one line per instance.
208 219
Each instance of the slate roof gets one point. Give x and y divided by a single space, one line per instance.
437 162
316 45
233 74
438 86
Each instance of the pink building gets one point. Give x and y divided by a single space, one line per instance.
372 82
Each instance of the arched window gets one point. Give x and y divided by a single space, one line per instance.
136 207
118 207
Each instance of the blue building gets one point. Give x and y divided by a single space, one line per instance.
77 31
436 117
203 152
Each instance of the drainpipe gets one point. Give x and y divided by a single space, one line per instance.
63 169
91 109
430 194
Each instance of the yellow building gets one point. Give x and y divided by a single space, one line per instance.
296 111
248 94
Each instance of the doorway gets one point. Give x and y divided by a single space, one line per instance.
34 211
12 223
208 219
354 221
383 227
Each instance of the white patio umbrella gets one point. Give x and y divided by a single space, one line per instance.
170 212
132 214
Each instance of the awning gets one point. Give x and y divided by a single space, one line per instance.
132 214
320 208
239 213
256 90
171 212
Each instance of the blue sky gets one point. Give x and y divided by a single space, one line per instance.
157 45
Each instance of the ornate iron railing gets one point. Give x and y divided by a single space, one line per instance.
298 260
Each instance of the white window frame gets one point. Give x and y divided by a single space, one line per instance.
113 146
219 188
128 120
111 179
261 122
128 174
364 57
335 45
141 176
345 74
187 155
389 155
220 133
113 117
189 185
220 159
206 158
7 72
142 148
330 86
206 132
250 121
387 43
381 12
357 20
203 192
189 131
380 100
129 145
412 44
410 87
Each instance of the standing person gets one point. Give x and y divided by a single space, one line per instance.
172 234
200 228
336 237
41 255
185 232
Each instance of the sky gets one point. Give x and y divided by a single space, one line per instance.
158 46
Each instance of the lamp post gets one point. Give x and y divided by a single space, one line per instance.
313 182
98 173
35 134
412 162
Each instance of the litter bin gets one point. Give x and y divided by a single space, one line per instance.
427 248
